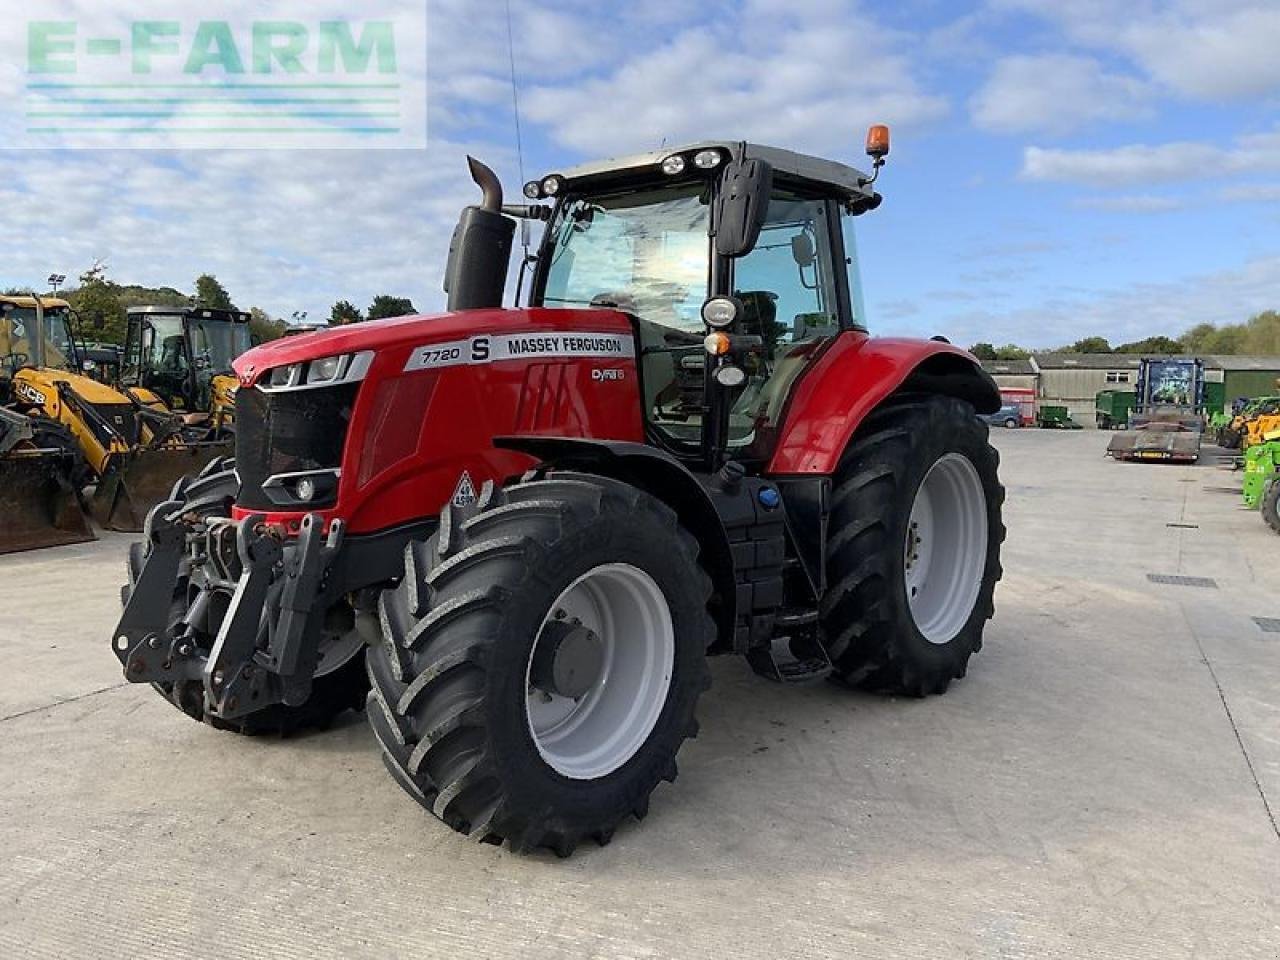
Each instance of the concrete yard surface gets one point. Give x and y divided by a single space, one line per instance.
1104 783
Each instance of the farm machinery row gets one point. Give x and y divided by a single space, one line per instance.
71 444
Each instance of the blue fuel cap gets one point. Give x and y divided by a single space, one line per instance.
769 498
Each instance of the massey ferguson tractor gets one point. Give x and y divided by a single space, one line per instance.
519 533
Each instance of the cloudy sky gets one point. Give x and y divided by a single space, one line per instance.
1060 167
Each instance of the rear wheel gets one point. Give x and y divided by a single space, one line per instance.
339 684
914 547
1010 423
1270 505
541 661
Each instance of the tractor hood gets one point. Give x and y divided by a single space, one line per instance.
397 340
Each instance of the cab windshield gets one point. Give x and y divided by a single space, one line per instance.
649 255
17 347
646 253
215 343
60 348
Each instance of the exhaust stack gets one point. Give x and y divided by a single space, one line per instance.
480 250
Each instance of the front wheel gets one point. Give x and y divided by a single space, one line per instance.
1010 423
913 551
541 661
1270 505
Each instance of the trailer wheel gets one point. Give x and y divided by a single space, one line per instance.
1270 505
337 687
913 547
541 661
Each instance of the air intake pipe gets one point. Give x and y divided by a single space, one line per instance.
480 250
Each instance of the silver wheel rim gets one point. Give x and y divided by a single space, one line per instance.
946 548
590 736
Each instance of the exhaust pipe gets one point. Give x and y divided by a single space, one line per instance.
480 250
488 183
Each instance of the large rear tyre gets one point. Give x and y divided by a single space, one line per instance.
339 685
541 661
1270 505
913 551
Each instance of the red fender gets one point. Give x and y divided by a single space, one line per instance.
853 377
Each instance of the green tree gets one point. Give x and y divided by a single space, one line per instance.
384 306
210 293
1152 345
1262 334
264 327
344 312
1011 351
983 351
98 304
1090 345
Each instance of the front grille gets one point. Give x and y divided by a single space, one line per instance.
288 432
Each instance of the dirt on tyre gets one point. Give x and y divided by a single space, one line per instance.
913 550
334 691
1270 505
542 660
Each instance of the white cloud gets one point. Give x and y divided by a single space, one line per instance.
1134 203
808 75
1204 49
1144 163
1056 94
282 230
1251 193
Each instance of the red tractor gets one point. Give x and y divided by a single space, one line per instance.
519 533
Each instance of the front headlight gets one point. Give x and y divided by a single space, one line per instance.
284 377
326 370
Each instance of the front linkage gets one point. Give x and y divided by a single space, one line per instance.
266 644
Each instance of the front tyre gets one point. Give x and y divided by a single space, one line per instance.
1269 506
913 552
541 661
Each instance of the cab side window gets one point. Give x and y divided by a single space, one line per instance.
790 298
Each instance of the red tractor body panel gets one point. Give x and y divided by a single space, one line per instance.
430 403
414 432
851 378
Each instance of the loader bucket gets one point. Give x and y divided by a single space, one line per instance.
133 485
38 507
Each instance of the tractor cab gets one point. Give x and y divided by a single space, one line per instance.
179 352
22 346
737 264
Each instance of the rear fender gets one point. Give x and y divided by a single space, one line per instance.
854 377
661 475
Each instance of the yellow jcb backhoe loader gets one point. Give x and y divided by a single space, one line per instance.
131 447
40 464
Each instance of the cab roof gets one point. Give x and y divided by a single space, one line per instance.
844 180
23 300
215 313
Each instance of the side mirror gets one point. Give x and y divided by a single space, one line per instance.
745 187
802 250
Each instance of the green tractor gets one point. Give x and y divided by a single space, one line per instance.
1260 490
